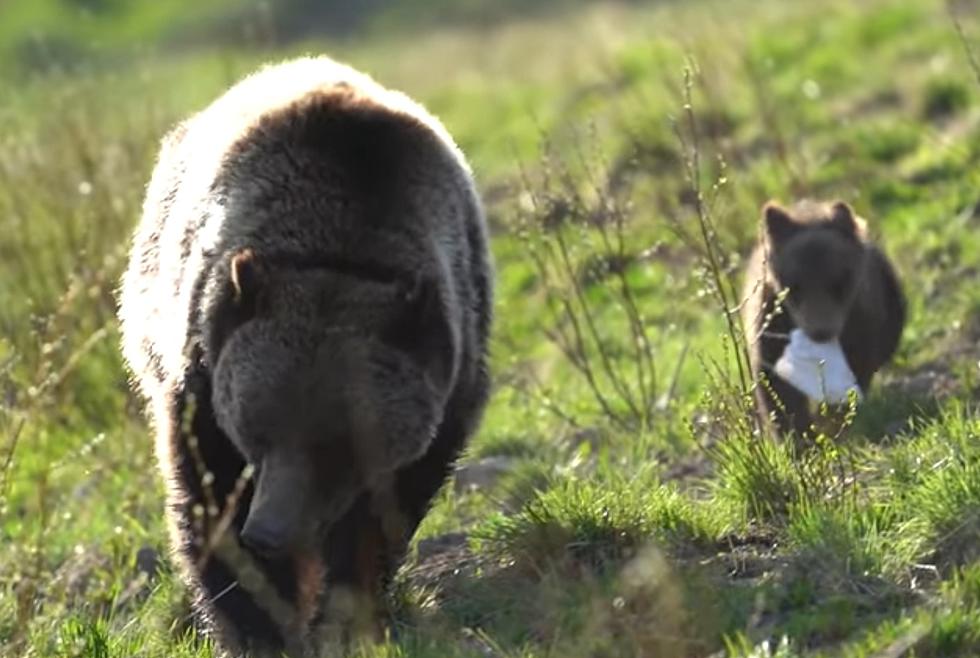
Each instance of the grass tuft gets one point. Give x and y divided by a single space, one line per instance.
595 523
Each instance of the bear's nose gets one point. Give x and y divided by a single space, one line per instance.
822 335
263 539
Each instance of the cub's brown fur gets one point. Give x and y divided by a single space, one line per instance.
837 285
309 293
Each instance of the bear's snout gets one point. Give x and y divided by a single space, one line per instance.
267 537
275 512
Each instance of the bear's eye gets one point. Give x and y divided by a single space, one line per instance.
263 303
258 445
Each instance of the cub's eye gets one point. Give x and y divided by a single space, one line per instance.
839 288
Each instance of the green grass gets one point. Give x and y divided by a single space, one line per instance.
640 513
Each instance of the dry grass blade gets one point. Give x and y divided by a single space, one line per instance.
971 55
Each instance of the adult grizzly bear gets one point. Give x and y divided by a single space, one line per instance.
306 311
816 270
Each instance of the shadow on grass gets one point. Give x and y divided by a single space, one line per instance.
642 603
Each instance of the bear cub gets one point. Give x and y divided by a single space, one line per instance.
816 270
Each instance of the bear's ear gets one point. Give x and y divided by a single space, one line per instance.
247 276
780 225
420 326
843 219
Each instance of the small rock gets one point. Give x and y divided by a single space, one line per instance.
694 467
432 546
482 473
474 643
83 490
589 435
895 428
928 383
147 566
147 561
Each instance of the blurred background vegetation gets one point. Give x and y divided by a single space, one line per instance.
66 34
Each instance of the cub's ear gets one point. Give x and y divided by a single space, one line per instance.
247 276
780 225
421 327
842 218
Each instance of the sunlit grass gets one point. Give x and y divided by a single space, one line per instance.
681 535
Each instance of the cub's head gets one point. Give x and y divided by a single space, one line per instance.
817 253
325 382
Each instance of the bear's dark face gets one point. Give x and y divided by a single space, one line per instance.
820 263
325 389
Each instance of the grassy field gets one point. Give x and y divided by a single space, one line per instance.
617 500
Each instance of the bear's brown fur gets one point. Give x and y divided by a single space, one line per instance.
834 283
309 296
